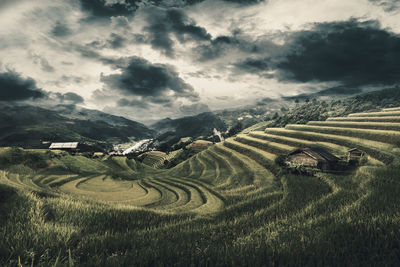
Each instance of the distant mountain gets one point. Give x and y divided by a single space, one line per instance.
170 131
28 126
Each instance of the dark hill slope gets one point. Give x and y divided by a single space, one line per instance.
27 126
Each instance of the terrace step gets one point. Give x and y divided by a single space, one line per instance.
375 114
367 119
384 136
378 150
358 125
271 147
296 142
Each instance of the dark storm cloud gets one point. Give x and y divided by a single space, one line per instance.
69 97
60 30
251 64
238 41
109 8
104 9
157 83
15 88
351 52
164 23
216 47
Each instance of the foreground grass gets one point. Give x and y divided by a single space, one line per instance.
328 220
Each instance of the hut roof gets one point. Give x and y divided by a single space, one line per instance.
354 149
71 145
317 153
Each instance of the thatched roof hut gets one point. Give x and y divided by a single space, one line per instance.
313 157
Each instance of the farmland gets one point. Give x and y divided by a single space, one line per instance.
229 204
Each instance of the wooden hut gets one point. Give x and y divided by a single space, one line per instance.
315 157
354 154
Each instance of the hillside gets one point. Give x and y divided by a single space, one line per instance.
318 109
171 131
27 126
228 205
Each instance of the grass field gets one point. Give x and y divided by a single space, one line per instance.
229 205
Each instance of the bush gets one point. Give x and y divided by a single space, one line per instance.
280 160
16 156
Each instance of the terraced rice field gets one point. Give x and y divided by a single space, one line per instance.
227 205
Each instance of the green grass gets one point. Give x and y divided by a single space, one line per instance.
367 119
272 147
375 114
391 109
359 125
390 137
296 142
229 205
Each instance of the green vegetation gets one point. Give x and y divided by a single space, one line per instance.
318 110
359 125
231 204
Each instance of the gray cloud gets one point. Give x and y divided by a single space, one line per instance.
106 9
115 41
123 102
254 64
42 62
387 5
166 22
69 98
15 88
60 30
156 83
110 8
351 52
194 109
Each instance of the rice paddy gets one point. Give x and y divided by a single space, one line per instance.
227 205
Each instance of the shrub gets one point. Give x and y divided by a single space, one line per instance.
280 160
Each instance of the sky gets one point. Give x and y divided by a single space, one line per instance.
151 59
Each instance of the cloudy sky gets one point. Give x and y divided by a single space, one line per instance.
150 59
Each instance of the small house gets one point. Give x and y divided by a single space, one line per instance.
315 157
354 154
200 145
69 146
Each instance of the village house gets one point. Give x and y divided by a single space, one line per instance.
69 146
200 145
315 157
